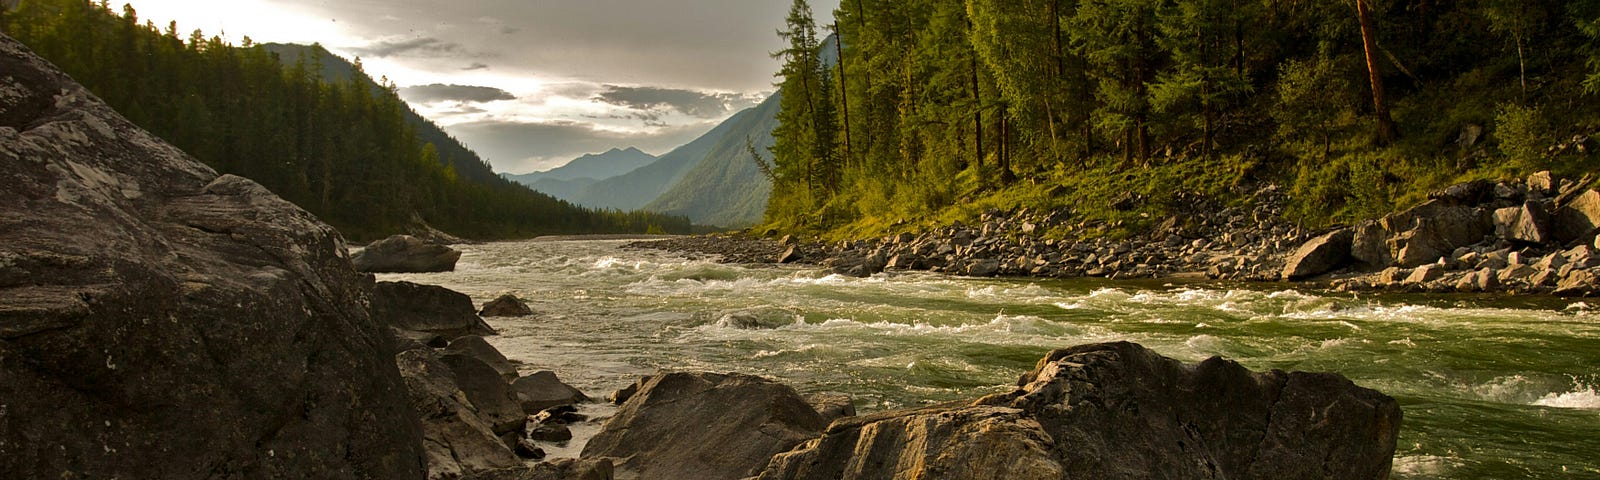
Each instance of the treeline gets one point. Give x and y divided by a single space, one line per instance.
341 148
1120 109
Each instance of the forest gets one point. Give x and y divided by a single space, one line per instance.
341 148
1127 112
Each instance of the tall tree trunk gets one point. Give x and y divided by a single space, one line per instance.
977 107
1006 176
844 92
1380 107
1522 65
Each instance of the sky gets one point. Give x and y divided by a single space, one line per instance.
531 84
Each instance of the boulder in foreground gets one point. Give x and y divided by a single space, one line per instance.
427 308
1120 411
507 305
406 254
158 320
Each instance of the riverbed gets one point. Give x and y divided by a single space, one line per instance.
1491 386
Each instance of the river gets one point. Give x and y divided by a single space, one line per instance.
1491 387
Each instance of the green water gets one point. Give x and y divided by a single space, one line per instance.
1491 388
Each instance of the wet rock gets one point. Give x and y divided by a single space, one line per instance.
542 390
1319 255
476 347
427 308
983 267
405 254
164 321
1120 411
487 391
507 305
457 441
704 426
621 396
549 432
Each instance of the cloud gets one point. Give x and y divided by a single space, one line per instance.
476 66
416 47
688 102
531 146
459 93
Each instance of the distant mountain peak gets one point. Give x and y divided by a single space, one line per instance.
592 166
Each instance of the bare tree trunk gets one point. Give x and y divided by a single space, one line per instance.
1387 132
844 92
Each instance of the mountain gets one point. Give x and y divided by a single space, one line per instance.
634 189
593 166
725 188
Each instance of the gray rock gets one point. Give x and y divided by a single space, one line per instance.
1120 411
558 469
1424 274
1319 255
480 349
831 406
487 392
542 390
907 261
426 308
1577 218
507 305
457 441
983 267
1542 182
704 426
1393 275
1525 223
406 254
1518 274
790 255
164 321
1578 283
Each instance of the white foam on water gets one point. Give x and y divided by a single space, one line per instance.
1584 397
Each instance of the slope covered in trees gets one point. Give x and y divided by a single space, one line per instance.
337 147
1129 111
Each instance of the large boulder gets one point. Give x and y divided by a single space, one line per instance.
479 348
406 254
457 440
1422 234
542 389
427 308
1120 411
1319 255
158 320
491 397
704 426
1526 223
1577 218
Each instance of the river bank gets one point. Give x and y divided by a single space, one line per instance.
1535 235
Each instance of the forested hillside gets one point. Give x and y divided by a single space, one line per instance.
725 188
1129 111
337 147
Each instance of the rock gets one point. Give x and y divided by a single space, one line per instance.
1577 218
424 339
787 240
426 308
543 390
1393 275
406 254
1486 281
487 391
456 440
1525 223
1424 274
158 320
832 407
476 347
526 448
507 305
1519 273
621 396
1468 194
907 261
983 267
790 255
1422 234
1370 246
1319 255
558 469
549 432
1542 182
704 426
1120 411
1578 283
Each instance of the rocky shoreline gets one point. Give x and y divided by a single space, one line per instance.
1536 235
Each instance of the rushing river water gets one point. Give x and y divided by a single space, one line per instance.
1491 388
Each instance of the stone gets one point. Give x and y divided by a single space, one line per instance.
983 267
1468 194
832 406
790 255
907 261
426 308
487 391
557 469
621 396
406 254
480 349
159 320
1578 283
542 390
549 432
1542 182
1577 218
526 448
1319 255
1393 275
1424 274
1120 411
704 426
507 305
1519 273
1369 246
1525 223
456 440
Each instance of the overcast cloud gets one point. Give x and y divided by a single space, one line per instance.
528 83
